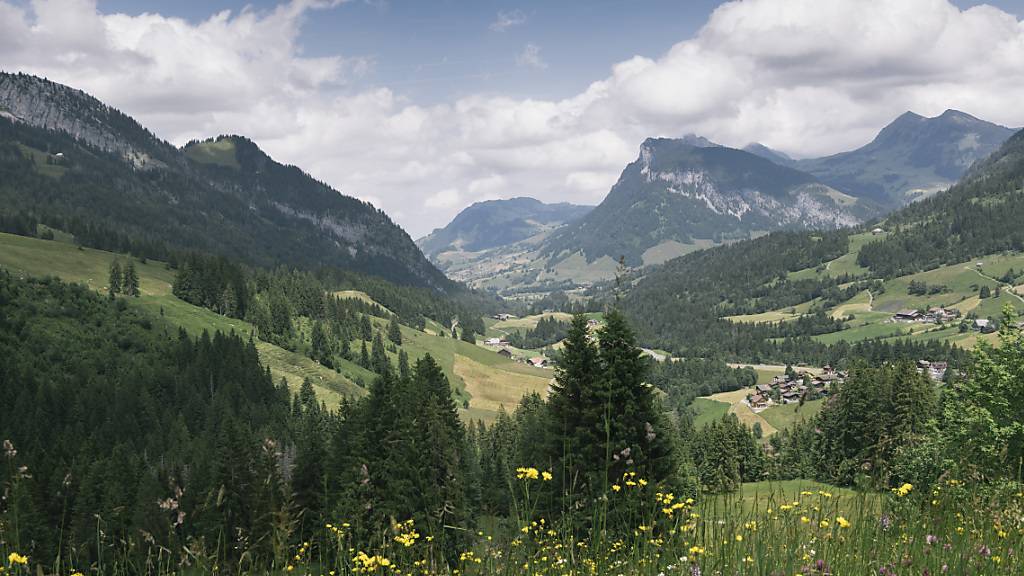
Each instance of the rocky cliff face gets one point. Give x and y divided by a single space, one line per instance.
51 106
677 194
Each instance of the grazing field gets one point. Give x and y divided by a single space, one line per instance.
845 264
706 411
786 415
358 295
491 388
526 322
743 412
958 288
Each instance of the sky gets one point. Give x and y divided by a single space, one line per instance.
422 108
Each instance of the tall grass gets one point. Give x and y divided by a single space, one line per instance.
952 529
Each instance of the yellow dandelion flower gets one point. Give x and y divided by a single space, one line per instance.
843 522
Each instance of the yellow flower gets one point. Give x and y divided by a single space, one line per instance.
15 558
616 487
903 490
546 476
843 522
696 550
823 524
805 519
739 537
527 473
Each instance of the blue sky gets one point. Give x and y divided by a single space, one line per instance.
438 50
434 51
423 108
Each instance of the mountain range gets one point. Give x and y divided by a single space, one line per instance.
75 163
682 195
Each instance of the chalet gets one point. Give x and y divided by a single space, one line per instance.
763 389
494 342
877 231
593 322
505 352
943 314
758 401
907 316
982 324
937 370
503 317
539 361
790 397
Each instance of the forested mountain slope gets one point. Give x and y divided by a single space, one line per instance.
70 161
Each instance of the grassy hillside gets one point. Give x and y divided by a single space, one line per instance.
958 286
33 257
480 377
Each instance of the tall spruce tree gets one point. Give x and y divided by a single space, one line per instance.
577 370
130 285
114 283
394 331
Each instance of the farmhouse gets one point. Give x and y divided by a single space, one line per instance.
505 352
982 323
907 316
763 389
539 361
939 314
758 401
503 317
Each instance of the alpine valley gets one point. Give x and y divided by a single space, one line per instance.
738 363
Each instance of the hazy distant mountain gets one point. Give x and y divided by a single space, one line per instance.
765 152
910 158
495 223
115 185
676 194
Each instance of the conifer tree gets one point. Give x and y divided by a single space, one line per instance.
114 284
130 285
403 365
365 328
624 431
394 331
378 357
364 356
577 371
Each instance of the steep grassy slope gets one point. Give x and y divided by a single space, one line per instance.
34 257
482 379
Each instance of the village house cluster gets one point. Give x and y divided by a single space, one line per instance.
935 370
934 315
791 387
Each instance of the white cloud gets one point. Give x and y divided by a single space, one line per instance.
808 77
530 57
506 20
447 198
